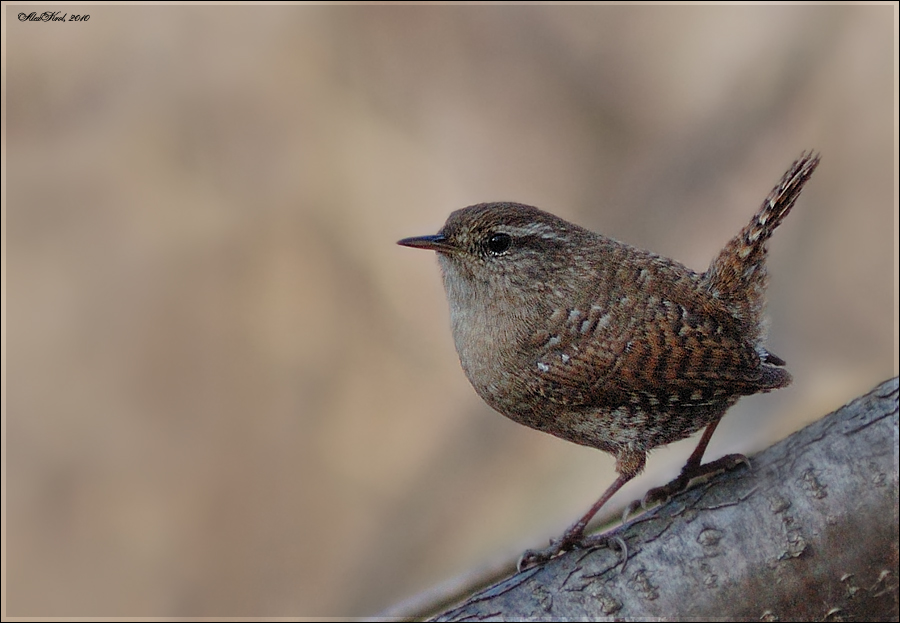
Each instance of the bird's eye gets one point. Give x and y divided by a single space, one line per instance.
498 243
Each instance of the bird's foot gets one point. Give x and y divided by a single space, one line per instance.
534 557
690 476
569 541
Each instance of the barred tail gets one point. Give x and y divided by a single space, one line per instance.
738 275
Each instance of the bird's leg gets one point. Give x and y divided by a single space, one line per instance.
692 470
628 465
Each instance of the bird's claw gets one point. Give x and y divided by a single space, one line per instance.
532 558
688 477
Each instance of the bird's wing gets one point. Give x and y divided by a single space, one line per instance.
664 343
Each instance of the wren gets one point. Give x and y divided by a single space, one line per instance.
603 344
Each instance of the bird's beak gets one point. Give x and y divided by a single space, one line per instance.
434 243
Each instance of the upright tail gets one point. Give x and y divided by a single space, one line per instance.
738 275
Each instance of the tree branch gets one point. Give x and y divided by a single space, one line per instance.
811 533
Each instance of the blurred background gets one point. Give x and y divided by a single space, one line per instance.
227 392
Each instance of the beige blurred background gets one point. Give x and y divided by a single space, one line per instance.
229 393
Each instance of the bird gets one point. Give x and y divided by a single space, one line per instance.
606 345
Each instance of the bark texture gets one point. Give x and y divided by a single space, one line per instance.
811 533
